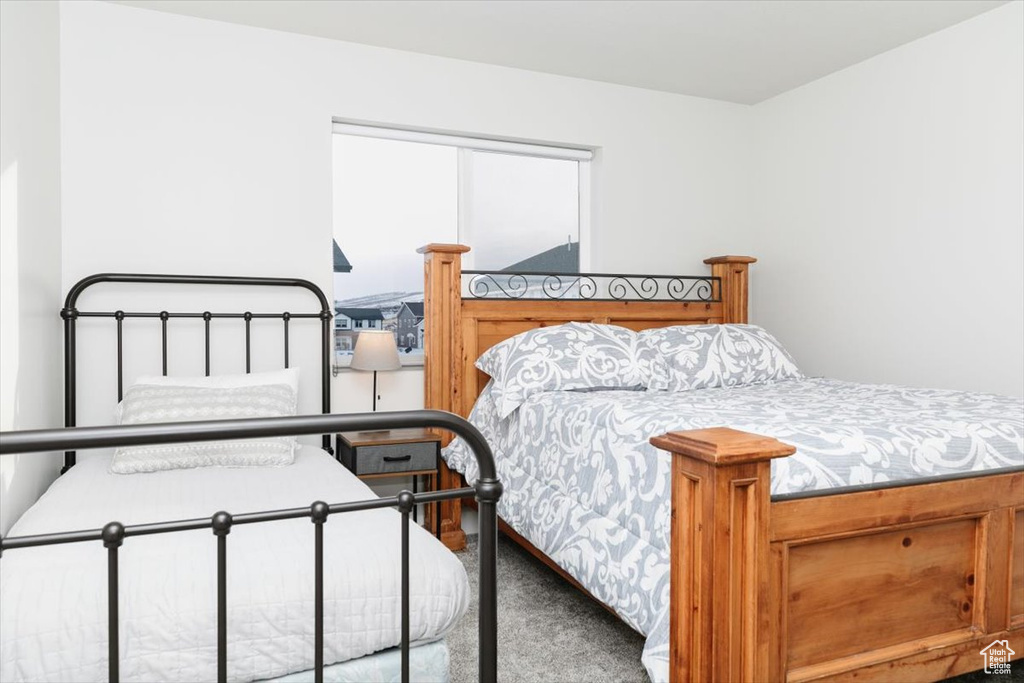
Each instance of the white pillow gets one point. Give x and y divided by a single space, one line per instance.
150 404
289 376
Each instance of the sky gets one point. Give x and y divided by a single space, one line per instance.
391 197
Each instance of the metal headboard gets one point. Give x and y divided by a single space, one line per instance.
71 314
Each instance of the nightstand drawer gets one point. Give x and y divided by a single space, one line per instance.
385 459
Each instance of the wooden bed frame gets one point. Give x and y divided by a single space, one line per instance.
904 583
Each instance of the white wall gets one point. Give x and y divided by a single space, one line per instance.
30 278
192 145
889 213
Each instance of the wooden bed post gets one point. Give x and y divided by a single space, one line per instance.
735 281
719 622
442 342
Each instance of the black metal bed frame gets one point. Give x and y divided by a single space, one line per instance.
487 489
71 314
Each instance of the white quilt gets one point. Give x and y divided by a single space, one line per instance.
53 604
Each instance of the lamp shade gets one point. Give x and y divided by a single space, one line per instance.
375 350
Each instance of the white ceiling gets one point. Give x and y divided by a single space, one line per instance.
735 50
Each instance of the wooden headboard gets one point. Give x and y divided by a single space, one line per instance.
458 329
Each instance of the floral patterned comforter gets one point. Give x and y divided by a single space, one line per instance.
583 484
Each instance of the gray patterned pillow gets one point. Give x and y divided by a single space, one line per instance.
561 358
689 357
148 404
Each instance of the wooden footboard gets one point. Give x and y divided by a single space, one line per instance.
906 583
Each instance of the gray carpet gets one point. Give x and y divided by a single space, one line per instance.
549 631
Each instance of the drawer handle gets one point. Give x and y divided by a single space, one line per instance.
397 458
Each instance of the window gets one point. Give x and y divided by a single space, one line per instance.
520 207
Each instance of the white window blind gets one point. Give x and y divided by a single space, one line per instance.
465 142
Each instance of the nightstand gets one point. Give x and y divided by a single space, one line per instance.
395 453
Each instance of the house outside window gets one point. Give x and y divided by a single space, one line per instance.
347 323
520 207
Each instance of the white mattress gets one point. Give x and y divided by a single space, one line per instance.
53 605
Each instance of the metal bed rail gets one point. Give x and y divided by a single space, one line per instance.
487 491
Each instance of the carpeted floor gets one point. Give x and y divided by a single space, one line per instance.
550 632
547 630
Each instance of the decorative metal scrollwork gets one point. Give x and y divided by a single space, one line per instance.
515 286
645 288
590 286
699 289
555 288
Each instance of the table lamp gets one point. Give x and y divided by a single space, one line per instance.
376 351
